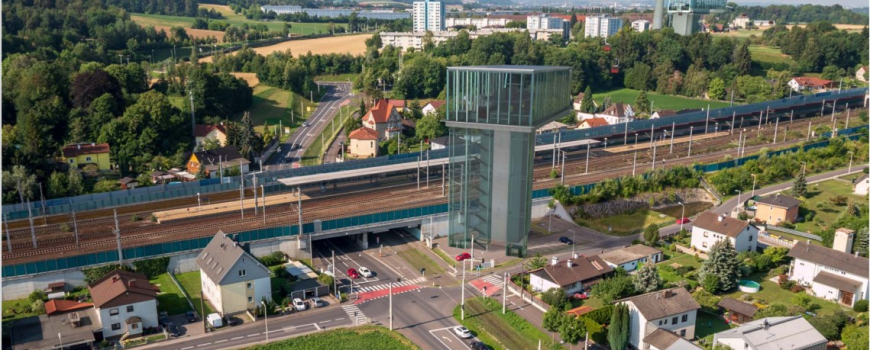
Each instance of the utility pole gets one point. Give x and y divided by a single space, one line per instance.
443 179
760 121
563 168
834 110
733 119
587 157
625 136
848 113
263 192
75 227
809 130
42 204
634 164
707 121
8 236
334 276
118 238
504 295
461 307
192 118
427 169
242 200
739 143
691 128
29 214
652 133
673 129
791 117
299 210
655 147
254 188
822 112
391 306
775 130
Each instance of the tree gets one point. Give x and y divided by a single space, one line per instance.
619 327
711 283
536 262
571 330
200 173
57 185
87 86
555 297
18 185
777 254
430 126
799 188
75 186
716 90
721 263
642 104
856 337
587 105
743 58
707 300
651 234
615 287
647 278
639 77
553 319
829 325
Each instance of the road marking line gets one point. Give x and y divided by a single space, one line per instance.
236 338
338 319
327 321
318 327
185 348
253 335
220 341
204 344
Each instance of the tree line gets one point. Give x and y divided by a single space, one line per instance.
805 13
820 47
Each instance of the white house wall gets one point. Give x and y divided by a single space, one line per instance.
212 292
803 272
540 284
146 310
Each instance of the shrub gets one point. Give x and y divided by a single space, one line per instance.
684 270
152 267
672 247
796 289
810 216
135 217
272 259
860 306
711 283
326 280
37 295
707 300
787 285
743 215
787 225
596 331
37 307
553 173
65 228
601 315
153 218
555 297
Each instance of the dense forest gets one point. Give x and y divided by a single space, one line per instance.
819 46
805 13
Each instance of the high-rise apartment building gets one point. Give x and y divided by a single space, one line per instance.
428 15
602 25
543 22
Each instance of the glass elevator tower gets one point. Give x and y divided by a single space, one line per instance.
492 113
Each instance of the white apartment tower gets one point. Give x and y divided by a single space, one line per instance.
602 25
428 15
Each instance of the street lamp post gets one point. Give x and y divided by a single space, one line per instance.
198 201
461 308
754 180
682 216
266 318
804 168
738 196
550 224
851 154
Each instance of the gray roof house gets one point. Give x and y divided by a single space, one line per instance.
673 310
773 333
232 279
662 339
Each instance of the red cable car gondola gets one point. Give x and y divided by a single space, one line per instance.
614 69
606 47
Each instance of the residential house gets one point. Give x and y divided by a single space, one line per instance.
737 311
573 275
79 155
812 84
789 332
862 185
232 279
831 274
383 119
552 127
741 22
640 25
399 105
217 160
75 324
125 302
214 132
578 102
710 228
409 124
671 309
861 73
128 183
592 122
363 143
763 23
663 339
777 208
617 113
158 177
439 143
629 258
432 106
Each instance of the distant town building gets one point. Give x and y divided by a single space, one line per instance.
363 143
640 25
790 332
861 73
543 21
333 13
406 40
214 132
81 154
383 119
439 143
741 21
552 126
592 122
811 84
710 228
215 160
617 113
432 106
479 23
831 274
428 15
602 26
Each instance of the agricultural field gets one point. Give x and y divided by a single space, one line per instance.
659 101
358 338
272 105
146 20
352 44
744 34
194 33
766 54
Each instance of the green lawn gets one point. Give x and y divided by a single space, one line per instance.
625 224
419 260
659 101
145 19
817 201
314 153
708 324
770 55
441 254
680 258
170 298
336 77
484 319
357 338
191 283
771 293
18 308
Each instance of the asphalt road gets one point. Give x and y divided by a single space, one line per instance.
336 94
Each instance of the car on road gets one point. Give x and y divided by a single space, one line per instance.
172 329
476 345
684 220
365 272
462 332
299 305
463 256
566 240
305 124
352 273
295 147
191 316
318 302
163 318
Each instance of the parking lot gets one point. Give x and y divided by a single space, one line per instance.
450 340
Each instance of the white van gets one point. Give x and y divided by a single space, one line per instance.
215 320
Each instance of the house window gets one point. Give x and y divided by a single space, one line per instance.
704 244
750 238
674 320
250 299
113 312
706 234
72 161
682 332
685 317
88 159
250 285
134 326
129 308
242 273
116 326
660 322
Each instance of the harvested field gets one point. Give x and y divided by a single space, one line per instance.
250 78
352 44
194 33
224 10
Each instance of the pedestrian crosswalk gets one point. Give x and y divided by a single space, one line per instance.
364 288
496 280
356 315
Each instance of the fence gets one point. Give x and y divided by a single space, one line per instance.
527 296
765 237
270 233
794 232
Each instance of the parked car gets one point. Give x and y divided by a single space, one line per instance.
684 220
233 321
566 240
365 272
215 320
318 302
173 329
463 256
163 318
305 124
191 316
351 272
462 332
299 305
476 345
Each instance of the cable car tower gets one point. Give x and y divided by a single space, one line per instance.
685 15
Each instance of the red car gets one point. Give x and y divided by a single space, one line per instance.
684 220
352 273
463 256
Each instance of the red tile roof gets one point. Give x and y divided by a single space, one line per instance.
125 286
812 81
436 103
202 130
61 305
579 98
593 122
363 133
75 150
380 112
